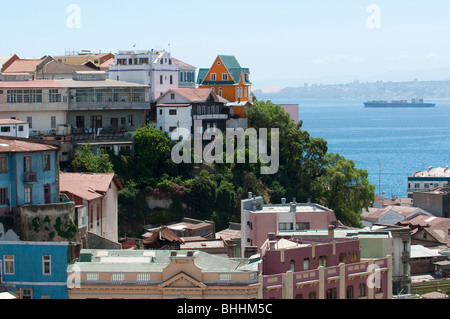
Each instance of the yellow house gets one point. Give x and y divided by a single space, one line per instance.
160 274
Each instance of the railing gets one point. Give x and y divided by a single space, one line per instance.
29 177
211 117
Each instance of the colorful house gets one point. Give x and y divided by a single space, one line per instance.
322 268
36 270
229 80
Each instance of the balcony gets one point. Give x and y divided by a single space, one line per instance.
29 177
211 117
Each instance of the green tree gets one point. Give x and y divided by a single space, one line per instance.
86 161
201 195
345 189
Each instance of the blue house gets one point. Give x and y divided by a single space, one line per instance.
36 270
28 173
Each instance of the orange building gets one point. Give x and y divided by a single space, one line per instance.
229 80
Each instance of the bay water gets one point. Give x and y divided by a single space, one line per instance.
390 143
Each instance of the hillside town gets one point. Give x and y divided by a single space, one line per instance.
59 230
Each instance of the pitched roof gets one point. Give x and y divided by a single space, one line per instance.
88 186
17 145
232 65
56 67
31 84
438 227
163 232
194 95
183 64
405 211
24 66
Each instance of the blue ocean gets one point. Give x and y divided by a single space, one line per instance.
391 144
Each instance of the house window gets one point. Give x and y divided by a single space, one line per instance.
354 257
302 226
292 265
98 215
171 79
27 163
285 226
117 277
28 194
225 277
312 295
21 128
160 79
350 292
343 258
245 92
53 122
224 76
220 91
54 96
131 120
4 196
172 112
143 277
172 96
5 129
332 293
3 165
46 265
323 261
46 162
26 293
79 121
306 263
8 263
213 76
161 61
92 276
362 290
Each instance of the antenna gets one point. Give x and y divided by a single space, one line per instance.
379 178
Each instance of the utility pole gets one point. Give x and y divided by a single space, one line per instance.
379 178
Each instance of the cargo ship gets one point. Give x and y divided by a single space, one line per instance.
399 103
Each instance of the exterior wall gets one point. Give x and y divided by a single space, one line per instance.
40 113
263 223
29 272
182 119
425 183
13 180
180 278
38 222
437 204
229 90
109 214
12 130
291 285
147 73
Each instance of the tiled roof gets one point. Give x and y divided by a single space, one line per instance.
59 67
16 146
196 95
31 84
23 66
402 210
163 232
88 186
438 227
183 64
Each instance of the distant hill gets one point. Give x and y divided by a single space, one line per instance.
356 90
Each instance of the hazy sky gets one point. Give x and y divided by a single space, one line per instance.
283 42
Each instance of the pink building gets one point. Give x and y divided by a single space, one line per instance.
292 110
257 220
322 268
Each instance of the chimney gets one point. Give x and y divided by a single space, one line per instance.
330 231
293 207
283 201
250 195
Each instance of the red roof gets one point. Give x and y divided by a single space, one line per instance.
31 84
88 186
23 66
14 145
164 233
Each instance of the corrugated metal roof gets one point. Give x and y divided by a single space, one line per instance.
17 146
89 186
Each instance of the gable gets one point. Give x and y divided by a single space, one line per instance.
182 280
218 68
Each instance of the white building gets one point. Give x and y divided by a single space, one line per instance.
174 111
156 69
428 180
14 128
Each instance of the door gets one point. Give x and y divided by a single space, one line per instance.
115 123
47 193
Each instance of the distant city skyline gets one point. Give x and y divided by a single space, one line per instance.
284 43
